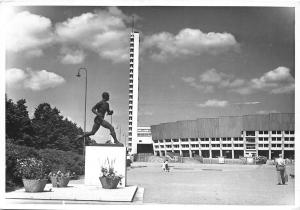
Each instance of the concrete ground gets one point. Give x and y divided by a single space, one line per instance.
211 184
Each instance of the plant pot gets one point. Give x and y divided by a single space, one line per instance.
34 185
109 182
60 181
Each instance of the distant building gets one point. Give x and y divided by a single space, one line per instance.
133 91
233 136
144 140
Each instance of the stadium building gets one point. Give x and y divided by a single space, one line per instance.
230 136
144 140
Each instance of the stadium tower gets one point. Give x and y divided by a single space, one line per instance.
133 90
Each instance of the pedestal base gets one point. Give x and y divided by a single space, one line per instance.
97 156
78 192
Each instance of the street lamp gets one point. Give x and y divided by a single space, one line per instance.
84 126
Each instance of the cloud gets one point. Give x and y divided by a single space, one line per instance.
103 32
211 79
34 80
14 77
213 103
267 112
212 76
248 103
72 56
28 33
276 81
191 81
188 42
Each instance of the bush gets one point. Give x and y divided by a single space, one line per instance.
128 162
261 160
14 153
52 159
60 160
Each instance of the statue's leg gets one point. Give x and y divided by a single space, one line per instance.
107 125
95 128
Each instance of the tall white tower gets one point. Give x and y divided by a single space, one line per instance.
133 91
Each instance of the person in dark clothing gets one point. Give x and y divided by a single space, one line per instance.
100 109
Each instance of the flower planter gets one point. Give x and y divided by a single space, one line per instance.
109 182
60 181
34 185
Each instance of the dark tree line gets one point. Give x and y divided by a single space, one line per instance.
47 129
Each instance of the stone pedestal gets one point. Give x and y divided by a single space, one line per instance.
95 157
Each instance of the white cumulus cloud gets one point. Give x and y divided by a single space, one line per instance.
276 81
103 32
213 103
69 56
34 80
189 42
28 33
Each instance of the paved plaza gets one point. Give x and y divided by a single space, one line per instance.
211 184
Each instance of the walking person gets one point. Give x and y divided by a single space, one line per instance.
100 109
281 170
165 166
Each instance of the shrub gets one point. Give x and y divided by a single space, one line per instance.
13 153
64 161
52 160
128 162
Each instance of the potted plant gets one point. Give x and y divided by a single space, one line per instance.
33 174
60 179
109 178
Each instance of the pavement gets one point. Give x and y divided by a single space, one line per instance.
211 184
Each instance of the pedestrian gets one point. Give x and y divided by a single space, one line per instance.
165 166
281 170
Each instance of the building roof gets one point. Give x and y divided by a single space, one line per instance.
224 126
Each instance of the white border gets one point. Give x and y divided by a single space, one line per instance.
229 3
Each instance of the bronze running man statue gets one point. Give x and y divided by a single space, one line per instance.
100 109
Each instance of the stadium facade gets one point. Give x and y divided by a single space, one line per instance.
229 136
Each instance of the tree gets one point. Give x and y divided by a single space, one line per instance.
18 123
52 131
47 129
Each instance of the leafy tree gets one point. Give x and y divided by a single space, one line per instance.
18 123
54 132
47 129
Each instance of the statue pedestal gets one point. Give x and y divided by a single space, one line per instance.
95 157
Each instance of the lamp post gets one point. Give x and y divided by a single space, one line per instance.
84 126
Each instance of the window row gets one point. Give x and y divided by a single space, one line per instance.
144 134
235 145
249 140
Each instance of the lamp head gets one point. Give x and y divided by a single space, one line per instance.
78 74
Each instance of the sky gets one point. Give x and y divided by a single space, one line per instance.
195 62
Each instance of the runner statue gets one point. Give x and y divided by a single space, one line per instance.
100 110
